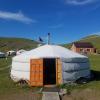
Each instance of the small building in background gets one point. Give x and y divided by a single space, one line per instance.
11 53
83 47
2 55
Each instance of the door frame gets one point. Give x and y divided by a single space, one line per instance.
48 73
58 66
59 79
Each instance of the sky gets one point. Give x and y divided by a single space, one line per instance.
66 20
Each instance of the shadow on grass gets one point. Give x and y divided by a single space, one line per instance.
95 75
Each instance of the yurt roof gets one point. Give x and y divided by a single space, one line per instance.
47 51
21 50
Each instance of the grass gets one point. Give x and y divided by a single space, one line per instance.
95 62
88 91
8 87
7 44
5 81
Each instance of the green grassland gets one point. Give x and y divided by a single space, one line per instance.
9 89
94 39
12 91
16 43
22 43
7 84
90 90
95 62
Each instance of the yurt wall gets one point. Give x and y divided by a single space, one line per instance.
20 71
73 69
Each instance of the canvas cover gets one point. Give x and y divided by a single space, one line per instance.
48 51
71 71
74 65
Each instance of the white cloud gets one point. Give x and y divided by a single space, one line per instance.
80 2
19 16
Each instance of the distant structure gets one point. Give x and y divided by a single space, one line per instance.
11 53
2 55
83 47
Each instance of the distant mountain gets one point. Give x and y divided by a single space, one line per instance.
94 39
22 43
16 43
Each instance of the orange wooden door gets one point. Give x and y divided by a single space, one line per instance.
36 72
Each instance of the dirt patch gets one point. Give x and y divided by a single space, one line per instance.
86 94
21 96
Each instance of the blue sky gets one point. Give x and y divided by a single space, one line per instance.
66 20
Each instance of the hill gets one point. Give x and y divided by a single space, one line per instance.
94 39
16 43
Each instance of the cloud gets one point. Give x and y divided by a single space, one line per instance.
19 16
80 2
56 26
